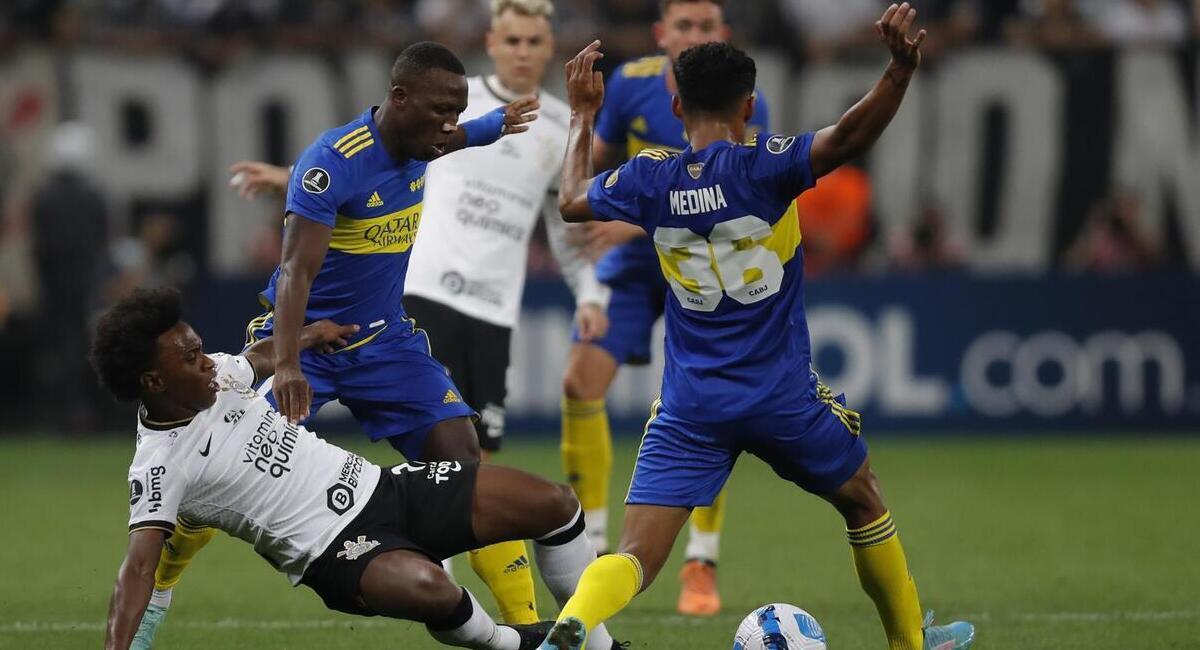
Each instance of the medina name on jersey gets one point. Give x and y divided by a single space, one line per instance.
724 226
241 467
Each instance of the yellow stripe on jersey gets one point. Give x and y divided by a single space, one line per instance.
785 235
351 136
647 67
391 233
363 145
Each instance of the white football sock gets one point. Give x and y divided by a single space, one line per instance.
448 566
161 598
561 557
597 528
702 545
479 631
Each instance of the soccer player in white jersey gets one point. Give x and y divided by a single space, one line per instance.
366 539
467 270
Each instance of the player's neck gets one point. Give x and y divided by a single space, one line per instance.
707 130
158 412
506 91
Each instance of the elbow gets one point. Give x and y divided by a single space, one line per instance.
571 210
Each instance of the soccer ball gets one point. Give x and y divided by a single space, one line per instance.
779 627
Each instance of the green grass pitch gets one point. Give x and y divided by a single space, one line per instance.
1044 543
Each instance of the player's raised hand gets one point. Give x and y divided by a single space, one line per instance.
326 335
585 86
518 115
893 31
292 393
250 177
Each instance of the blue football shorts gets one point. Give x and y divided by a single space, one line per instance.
686 463
392 385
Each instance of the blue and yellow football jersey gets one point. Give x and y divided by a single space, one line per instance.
348 181
723 224
637 115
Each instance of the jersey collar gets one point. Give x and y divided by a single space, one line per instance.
497 90
160 426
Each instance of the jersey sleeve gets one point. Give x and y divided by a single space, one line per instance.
234 366
320 183
617 194
611 125
781 163
156 488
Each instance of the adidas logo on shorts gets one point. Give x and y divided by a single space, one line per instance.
450 398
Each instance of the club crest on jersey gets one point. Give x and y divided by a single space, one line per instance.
612 178
315 181
355 550
778 144
695 169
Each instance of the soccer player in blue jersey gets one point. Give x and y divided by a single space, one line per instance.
353 207
637 115
738 374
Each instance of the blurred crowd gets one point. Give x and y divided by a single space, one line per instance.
74 262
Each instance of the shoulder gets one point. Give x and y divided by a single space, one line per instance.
651 156
342 143
644 68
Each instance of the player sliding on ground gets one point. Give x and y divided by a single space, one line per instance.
738 374
367 539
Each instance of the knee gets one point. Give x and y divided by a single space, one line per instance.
576 385
434 592
559 507
860 500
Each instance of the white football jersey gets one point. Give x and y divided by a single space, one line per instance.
481 207
239 466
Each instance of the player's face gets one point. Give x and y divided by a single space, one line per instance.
429 110
688 24
521 47
186 376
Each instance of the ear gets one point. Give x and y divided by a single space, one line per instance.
748 108
398 96
677 106
660 33
152 382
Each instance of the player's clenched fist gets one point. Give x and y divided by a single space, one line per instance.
893 30
585 86
518 115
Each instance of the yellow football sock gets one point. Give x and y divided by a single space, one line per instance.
709 519
605 588
587 450
883 574
177 553
504 568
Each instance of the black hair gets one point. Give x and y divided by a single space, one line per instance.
714 78
424 56
126 343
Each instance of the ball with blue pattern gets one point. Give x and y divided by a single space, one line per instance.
779 626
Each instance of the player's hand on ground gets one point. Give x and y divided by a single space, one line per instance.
591 321
893 31
518 115
249 177
585 86
292 393
598 237
326 335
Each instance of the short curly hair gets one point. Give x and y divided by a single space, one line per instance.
714 77
126 343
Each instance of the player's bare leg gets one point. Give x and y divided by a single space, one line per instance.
883 570
586 437
504 566
613 580
511 504
405 584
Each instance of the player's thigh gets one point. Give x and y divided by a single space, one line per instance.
407 584
452 439
487 381
512 504
818 447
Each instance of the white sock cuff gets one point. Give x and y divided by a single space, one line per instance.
703 546
564 533
161 598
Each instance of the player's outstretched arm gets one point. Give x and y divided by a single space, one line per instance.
250 177
135 581
506 120
304 245
861 126
325 335
585 94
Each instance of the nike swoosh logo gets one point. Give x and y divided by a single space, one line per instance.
207 446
